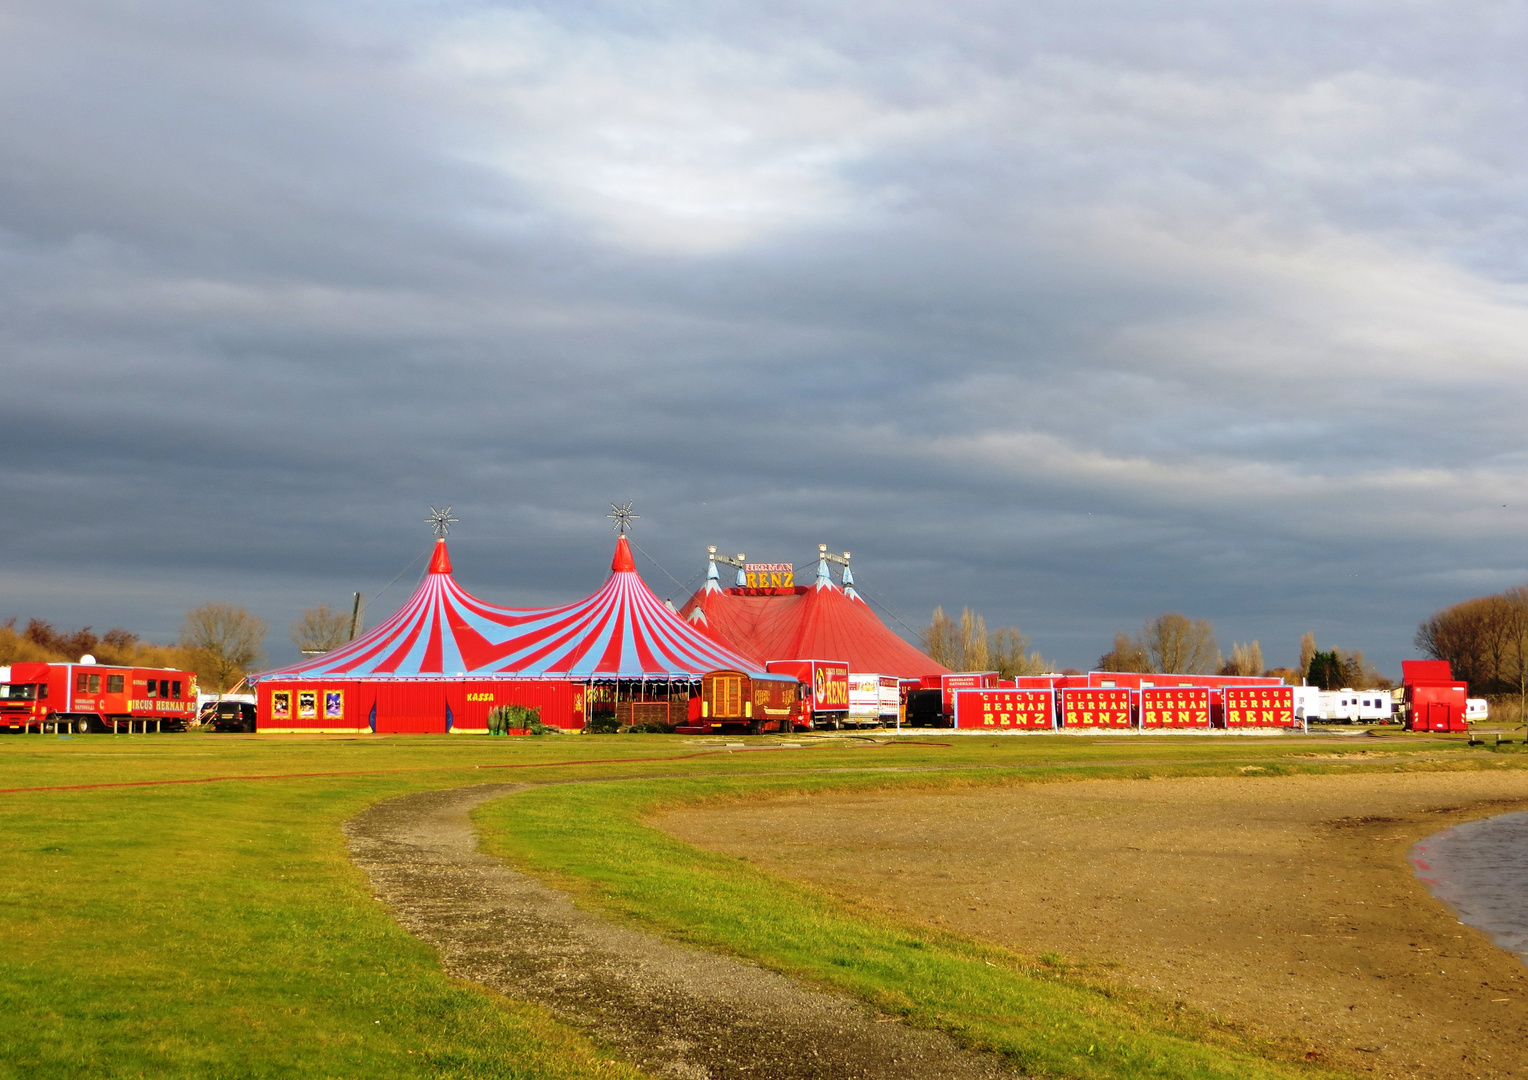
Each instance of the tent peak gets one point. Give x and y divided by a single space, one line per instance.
440 561
623 562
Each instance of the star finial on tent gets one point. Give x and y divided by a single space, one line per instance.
441 521
623 517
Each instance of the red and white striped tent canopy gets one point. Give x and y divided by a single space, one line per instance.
623 631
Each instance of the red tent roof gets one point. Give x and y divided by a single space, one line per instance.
816 623
622 631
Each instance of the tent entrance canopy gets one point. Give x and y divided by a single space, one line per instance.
618 703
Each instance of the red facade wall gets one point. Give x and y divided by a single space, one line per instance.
1091 707
1005 710
1175 707
1261 706
410 706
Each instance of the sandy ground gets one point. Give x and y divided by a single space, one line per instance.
1284 903
675 1011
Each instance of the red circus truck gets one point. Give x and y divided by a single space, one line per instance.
95 697
825 702
752 701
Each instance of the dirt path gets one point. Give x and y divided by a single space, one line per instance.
675 1011
1286 903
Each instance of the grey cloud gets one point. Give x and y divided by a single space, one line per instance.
1073 313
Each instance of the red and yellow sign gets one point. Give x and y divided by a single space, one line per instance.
1095 707
1175 707
770 575
1260 706
1026 710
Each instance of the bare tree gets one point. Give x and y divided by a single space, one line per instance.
225 641
1245 660
1180 645
974 651
1128 654
1517 600
941 640
969 646
320 629
1307 650
1010 654
1476 638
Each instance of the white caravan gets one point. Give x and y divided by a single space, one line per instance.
1363 706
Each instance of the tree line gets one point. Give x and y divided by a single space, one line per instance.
223 643
1485 641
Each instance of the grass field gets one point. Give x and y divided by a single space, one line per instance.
183 928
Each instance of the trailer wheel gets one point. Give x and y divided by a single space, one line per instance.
756 728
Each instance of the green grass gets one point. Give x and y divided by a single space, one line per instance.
219 930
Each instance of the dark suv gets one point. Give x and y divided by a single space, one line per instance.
230 716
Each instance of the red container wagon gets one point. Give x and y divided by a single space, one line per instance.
1005 710
1433 699
826 701
1174 708
932 704
1259 707
96 697
1048 682
1096 707
965 680
409 706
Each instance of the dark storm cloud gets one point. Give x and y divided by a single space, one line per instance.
1073 313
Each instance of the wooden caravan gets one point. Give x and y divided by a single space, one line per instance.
754 701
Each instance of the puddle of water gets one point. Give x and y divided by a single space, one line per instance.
1480 869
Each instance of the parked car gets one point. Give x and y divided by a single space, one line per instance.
229 716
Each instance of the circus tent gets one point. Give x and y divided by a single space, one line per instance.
445 646
817 622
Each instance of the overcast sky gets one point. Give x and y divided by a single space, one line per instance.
1073 312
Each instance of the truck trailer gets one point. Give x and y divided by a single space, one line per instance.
95 697
825 697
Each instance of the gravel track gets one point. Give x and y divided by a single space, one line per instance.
674 1010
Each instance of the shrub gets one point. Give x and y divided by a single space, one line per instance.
506 718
